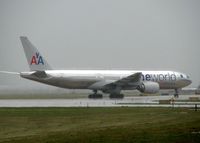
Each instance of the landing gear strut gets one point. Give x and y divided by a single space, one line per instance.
176 93
95 95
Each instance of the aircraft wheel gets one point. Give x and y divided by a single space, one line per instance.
117 96
176 95
90 96
99 96
94 96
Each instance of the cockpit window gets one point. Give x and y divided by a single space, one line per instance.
188 76
181 76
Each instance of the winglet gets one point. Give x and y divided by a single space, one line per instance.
35 60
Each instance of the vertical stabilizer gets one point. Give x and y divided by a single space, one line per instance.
35 60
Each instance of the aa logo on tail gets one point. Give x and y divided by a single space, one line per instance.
37 59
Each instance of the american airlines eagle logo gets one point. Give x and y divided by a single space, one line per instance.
37 59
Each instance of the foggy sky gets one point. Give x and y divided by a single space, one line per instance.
102 34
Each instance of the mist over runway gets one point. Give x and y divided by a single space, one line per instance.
138 101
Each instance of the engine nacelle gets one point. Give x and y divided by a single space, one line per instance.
149 87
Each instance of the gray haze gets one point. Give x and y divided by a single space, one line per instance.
103 34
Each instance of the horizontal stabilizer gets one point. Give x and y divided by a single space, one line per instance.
8 72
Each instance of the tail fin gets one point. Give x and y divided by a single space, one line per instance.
35 60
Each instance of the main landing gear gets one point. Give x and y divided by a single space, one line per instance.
116 96
95 95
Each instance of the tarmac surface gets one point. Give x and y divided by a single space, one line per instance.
136 101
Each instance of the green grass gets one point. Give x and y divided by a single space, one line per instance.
81 125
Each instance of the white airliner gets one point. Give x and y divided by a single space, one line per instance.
107 81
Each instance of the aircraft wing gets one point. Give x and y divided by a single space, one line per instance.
126 81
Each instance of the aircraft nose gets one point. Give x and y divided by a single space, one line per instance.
188 82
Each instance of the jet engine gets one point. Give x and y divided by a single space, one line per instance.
149 87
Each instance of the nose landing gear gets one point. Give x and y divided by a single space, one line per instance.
176 94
